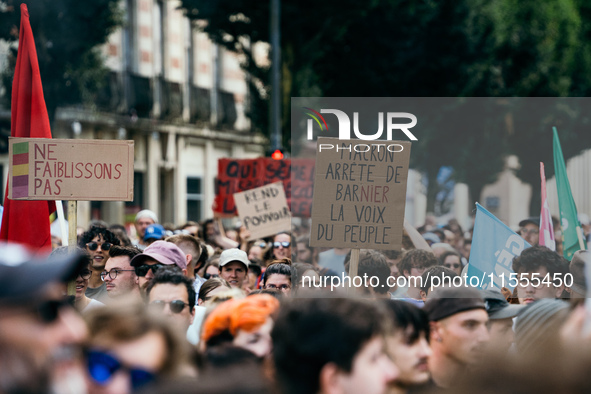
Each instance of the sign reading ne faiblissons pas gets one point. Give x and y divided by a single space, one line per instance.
61 169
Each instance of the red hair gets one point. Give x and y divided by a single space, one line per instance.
246 314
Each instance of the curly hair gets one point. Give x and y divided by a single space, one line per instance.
94 231
531 259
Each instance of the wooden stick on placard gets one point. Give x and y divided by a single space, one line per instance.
72 224
353 268
72 237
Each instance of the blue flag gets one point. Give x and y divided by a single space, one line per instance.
494 245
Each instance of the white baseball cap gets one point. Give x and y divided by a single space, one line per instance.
230 255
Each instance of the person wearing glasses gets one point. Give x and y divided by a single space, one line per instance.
257 250
97 241
171 294
529 229
157 255
453 261
119 275
129 349
81 302
278 277
282 246
39 328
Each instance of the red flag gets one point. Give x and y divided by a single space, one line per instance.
546 227
27 222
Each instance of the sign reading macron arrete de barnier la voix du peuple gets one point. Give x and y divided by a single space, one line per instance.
62 169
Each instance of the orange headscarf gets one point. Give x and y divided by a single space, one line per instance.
246 314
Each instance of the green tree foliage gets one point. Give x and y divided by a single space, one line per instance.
67 35
431 48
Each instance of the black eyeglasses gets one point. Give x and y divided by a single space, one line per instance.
113 273
454 265
262 245
283 244
142 270
209 276
176 306
280 287
94 246
102 366
85 274
49 310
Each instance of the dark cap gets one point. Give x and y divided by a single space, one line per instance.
533 220
447 301
23 276
497 305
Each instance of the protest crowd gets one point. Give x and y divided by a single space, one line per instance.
199 308
158 308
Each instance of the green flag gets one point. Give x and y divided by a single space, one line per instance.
572 235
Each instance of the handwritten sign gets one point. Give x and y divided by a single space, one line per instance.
235 176
61 169
264 211
359 193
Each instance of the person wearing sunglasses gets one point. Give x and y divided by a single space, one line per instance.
35 319
282 246
96 242
171 294
211 270
453 261
257 250
157 255
130 348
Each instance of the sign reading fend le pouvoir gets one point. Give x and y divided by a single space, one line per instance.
61 169
263 210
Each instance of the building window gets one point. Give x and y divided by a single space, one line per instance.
194 199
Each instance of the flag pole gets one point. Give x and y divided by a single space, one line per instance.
580 237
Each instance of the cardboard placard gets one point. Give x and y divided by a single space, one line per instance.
263 210
62 169
238 175
359 193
